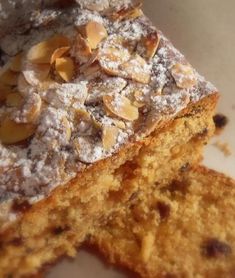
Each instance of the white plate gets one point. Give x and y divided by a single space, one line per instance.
204 31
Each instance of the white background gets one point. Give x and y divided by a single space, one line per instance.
205 32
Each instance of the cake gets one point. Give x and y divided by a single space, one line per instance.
184 229
96 103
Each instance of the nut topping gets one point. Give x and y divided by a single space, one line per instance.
58 53
137 69
184 76
81 49
109 137
34 74
9 77
121 106
41 53
94 32
15 63
14 100
12 132
65 68
149 45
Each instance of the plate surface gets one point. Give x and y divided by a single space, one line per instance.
204 32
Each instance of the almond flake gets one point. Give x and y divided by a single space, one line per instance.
68 131
149 45
119 124
94 32
81 49
12 132
9 77
184 76
5 90
109 137
32 109
112 54
59 52
34 74
41 53
14 100
127 13
121 106
16 63
65 68
92 71
137 69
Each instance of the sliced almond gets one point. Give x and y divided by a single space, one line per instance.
112 54
119 124
9 77
149 45
184 76
41 53
14 100
34 74
109 137
94 32
65 68
127 13
94 70
5 90
16 63
68 131
98 88
81 50
12 132
32 108
59 52
121 106
137 69
22 85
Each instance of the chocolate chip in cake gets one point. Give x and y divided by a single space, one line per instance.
20 206
163 209
214 248
220 121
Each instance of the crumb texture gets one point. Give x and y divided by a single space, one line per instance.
184 229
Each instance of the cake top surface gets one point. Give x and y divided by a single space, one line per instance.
78 84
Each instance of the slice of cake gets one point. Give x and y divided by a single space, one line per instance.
95 104
184 229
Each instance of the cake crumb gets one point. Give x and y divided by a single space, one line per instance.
223 147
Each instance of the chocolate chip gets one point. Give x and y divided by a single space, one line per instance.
213 248
164 210
220 121
20 206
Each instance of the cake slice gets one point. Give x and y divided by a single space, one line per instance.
184 229
95 104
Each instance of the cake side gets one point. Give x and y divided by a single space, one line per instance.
184 230
55 226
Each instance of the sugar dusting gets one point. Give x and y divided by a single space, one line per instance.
65 140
